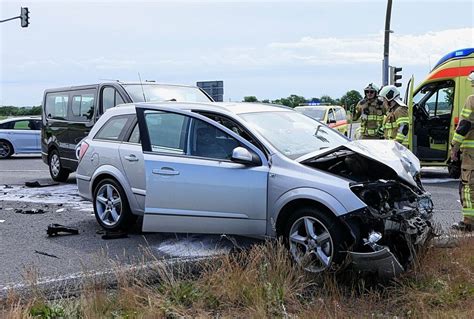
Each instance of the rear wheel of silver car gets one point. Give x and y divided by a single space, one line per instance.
57 172
6 149
315 240
111 207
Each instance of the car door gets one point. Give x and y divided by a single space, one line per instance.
23 136
192 186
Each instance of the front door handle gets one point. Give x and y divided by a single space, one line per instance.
165 171
131 158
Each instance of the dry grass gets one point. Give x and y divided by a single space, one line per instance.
262 283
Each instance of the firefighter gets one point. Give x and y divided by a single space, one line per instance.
463 142
371 111
396 124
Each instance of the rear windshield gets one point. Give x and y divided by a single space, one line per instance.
158 93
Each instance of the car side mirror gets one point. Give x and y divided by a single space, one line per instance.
242 155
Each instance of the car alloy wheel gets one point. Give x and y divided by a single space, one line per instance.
311 244
5 149
55 165
108 204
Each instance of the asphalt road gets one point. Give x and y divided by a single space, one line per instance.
26 252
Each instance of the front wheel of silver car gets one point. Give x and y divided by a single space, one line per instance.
111 207
6 149
315 240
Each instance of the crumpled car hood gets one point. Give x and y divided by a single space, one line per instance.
389 153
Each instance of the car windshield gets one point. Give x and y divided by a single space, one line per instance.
292 133
159 92
317 114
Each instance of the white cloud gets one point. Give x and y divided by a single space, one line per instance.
406 49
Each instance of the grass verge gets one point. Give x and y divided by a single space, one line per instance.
262 283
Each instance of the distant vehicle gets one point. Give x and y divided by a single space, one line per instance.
69 113
259 170
332 115
20 135
435 107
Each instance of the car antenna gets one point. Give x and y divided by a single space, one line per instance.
143 91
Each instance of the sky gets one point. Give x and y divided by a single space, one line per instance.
269 49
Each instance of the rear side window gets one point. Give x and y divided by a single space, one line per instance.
22 125
56 105
82 106
112 129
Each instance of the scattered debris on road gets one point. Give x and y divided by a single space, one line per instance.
7 186
30 211
2 221
37 184
114 235
45 254
56 229
60 210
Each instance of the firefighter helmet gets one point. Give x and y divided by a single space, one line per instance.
371 87
390 92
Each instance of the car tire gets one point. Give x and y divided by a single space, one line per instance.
57 172
315 240
111 208
6 149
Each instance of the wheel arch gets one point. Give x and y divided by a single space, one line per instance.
108 171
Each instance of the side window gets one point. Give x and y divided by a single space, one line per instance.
110 98
37 124
331 116
56 105
210 142
7 126
167 131
82 106
135 136
436 99
21 125
341 115
112 129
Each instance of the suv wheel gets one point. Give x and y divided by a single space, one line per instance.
57 172
314 240
111 207
6 149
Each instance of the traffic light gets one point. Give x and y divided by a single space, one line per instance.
24 16
394 77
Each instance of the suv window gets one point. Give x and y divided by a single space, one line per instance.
110 98
56 105
82 107
112 129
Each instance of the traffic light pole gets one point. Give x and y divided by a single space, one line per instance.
24 17
10 19
386 44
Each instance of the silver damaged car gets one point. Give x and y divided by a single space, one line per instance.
257 170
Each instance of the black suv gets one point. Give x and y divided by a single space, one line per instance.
70 112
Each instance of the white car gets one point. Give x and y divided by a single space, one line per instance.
20 135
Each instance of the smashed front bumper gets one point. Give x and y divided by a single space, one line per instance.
382 262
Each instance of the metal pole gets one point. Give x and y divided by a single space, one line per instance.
10 19
386 43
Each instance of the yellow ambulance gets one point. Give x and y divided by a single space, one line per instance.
435 106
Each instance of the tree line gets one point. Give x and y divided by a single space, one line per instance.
349 99
19 111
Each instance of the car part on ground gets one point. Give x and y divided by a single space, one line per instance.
57 229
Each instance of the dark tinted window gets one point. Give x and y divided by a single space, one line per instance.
82 106
112 129
110 98
56 105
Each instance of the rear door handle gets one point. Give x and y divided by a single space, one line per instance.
131 158
165 171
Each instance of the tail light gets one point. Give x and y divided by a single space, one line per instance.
83 150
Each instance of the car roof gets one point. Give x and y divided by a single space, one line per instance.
95 85
232 107
20 118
